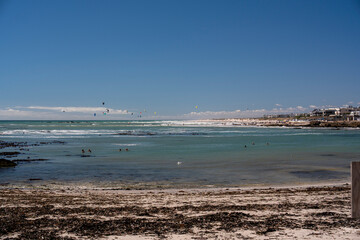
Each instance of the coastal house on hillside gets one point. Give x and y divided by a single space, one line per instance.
329 112
348 113
332 112
317 113
353 116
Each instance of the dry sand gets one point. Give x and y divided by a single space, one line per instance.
321 212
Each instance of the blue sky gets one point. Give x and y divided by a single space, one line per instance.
229 58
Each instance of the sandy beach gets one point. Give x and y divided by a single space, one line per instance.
305 212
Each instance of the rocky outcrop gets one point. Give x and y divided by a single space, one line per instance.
9 154
6 163
335 124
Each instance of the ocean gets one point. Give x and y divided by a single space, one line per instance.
175 154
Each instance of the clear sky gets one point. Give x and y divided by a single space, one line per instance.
229 58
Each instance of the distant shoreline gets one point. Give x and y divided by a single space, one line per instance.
286 122
260 122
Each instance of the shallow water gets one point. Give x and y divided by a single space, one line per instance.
178 153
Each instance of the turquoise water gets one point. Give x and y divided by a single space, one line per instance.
177 153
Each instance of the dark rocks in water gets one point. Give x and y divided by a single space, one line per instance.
335 124
327 155
124 133
4 144
9 154
86 155
30 160
129 133
7 163
35 179
52 142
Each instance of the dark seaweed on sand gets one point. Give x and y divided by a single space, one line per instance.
48 215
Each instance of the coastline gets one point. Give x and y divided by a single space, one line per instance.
296 212
284 122
38 207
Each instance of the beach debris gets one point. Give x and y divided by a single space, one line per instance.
218 213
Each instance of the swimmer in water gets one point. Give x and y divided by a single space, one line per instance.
127 149
89 150
245 146
120 150
83 151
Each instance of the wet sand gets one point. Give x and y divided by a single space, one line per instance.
319 212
